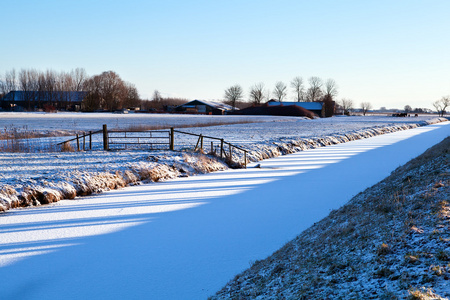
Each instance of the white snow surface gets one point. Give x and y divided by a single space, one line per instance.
185 238
70 122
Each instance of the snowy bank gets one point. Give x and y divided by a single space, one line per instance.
389 242
284 146
53 187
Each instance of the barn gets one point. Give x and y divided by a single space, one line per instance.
276 110
205 107
36 100
317 108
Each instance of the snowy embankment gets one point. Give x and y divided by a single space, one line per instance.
391 241
288 147
49 177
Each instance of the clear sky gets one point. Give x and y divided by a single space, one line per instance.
390 53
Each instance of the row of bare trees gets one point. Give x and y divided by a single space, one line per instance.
317 90
109 92
347 106
104 91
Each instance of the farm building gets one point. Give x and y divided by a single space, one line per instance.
36 100
317 108
276 110
205 107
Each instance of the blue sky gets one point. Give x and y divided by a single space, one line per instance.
390 53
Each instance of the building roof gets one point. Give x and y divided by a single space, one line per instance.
43 96
277 110
305 105
212 104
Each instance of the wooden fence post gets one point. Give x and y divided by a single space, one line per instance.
105 137
221 148
78 143
172 139
212 148
90 140
201 143
245 159
84 141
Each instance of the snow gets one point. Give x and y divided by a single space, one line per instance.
70 123
185 238
41 177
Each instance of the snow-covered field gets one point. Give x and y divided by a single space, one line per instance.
42 177
184 239
70 123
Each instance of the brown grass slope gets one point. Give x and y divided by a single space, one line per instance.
391 241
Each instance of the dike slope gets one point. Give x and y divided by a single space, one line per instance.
391 241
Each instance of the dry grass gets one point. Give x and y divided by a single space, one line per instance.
67 147
202 163
142 127
14 139
422 294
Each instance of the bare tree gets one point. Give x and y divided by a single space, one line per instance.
365 107
407 109
347 106
441 105
2 87
257 93
64 85
24 86
314 92
41 88
10 83
331 88
50 86
157 98
280 91
79 78
106 90
93 100
132 95
297 86
233 94
113 90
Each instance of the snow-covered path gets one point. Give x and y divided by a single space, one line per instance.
185 238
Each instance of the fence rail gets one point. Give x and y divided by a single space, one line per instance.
153 138
82 138
200 144
156 140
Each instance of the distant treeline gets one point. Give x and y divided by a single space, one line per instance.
106 91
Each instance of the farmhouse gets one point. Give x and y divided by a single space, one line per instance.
205 107
317 108
36 100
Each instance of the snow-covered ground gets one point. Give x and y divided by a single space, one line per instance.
185 238
70 123
42 176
